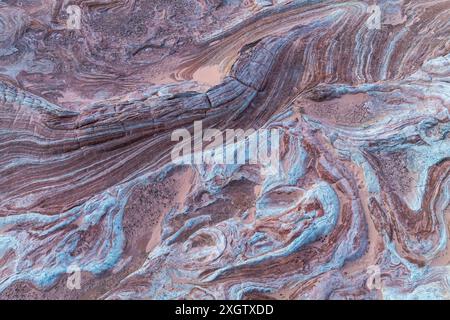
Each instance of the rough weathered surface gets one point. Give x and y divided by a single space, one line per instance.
86 178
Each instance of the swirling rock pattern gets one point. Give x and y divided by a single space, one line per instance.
86 178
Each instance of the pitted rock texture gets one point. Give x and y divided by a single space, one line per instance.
360 207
